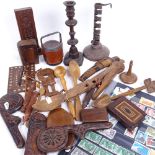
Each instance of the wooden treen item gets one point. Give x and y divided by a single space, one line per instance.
60 117
71 22
96 50
128 77
74 70
105 100
28 51
37 123
46 76
52 49
29 108
126 112
55 139
108 78
101 64
60 72
94 115
9 104
78 89
26 25
87 98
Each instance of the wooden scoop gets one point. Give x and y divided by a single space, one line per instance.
105 99
60 73
74 70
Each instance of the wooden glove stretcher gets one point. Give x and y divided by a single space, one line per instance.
105 77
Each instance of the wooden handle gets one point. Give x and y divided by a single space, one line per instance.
78 107
63 82
71 108
129 92
81 129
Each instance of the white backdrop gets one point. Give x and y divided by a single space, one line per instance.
128 30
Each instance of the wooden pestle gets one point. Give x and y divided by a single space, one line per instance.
105 99
60 72
75 73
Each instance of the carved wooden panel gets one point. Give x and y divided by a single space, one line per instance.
26 24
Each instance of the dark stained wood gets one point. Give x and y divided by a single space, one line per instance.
94 115
14 101
60 117
37 123
73 53
126 112
28 51
26 24
55 139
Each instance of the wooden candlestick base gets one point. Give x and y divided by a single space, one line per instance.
128 77
95 53
79 59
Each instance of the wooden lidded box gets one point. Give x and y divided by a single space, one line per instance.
28 51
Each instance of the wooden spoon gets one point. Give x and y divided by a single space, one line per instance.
60 72
74 70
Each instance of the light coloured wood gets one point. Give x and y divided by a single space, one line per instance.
60 73
74 70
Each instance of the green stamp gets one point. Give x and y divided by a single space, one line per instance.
100 151
96 138
87 145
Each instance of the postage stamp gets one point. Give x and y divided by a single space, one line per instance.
132 133
140 149
78 151
93 137
150 131
147 102
100 151
141 106
149 121
150 112
141 137
87 145
150 142
109 133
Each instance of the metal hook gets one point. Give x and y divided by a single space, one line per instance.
107 4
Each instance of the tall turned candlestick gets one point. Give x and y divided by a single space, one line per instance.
73 52
96 50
